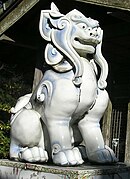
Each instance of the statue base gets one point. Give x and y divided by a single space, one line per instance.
19 170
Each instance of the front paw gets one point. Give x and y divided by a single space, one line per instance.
34 154
68 157
103 156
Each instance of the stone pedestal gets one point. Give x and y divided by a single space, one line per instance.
19 170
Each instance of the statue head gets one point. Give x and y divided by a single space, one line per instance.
70 37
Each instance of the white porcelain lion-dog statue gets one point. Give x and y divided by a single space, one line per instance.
70 99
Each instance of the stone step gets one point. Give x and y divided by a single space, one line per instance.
19 170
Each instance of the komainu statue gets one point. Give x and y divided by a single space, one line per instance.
65 109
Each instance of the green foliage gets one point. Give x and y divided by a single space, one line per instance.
11 90
12 86
4 139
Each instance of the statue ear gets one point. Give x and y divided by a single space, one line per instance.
54 7
44 88
44 27
40 95
48 21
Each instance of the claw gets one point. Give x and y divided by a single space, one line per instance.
68 157
102 156
77 155
114 159
60 158
34 154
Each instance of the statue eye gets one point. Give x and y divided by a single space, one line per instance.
82 25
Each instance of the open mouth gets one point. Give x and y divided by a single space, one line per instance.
84 46
92 41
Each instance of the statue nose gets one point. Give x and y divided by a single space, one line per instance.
94 32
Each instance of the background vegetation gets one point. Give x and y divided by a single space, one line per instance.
13 84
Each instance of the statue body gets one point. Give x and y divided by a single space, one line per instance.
69 100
